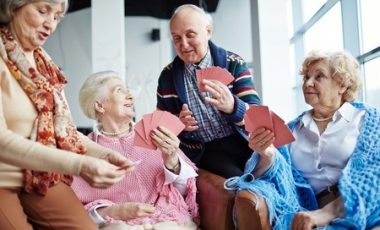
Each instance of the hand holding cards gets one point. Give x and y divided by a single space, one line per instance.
151 121
213 73
261 117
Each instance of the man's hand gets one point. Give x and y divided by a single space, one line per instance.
186 117
221 96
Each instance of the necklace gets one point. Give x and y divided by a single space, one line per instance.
321 119
114 134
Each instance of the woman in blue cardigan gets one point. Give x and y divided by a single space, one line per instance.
329 176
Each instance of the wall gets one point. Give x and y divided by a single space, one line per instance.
232 27
271 56
70 48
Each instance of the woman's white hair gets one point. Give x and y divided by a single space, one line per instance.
8 7
92 90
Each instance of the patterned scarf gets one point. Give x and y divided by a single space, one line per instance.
54 126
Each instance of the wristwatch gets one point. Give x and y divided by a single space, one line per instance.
95 216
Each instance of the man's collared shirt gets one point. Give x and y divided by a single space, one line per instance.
212 124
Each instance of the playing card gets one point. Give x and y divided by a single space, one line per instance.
257 116
213 73
151 121
282 133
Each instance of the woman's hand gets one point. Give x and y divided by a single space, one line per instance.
100 173
186 117
260 140
221 98
168 143
310 220
119 160
127 211
320 217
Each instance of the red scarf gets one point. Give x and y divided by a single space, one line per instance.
54 125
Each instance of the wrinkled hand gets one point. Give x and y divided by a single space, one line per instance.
221 96
260 139
186 117
320 217
310 220
168 143
117 159
101 174
127 211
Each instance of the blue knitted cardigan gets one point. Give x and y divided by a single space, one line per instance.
287 192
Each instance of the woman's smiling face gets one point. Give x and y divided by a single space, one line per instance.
118 103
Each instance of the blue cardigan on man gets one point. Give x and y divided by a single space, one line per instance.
171 93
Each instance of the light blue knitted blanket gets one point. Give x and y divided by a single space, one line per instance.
287 192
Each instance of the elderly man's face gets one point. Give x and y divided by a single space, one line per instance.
190 32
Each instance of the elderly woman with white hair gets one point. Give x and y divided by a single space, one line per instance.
329 176
161 191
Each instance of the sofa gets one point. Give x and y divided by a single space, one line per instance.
216 206
215 203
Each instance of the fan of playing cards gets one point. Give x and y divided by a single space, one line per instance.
151 121
213 73
258 116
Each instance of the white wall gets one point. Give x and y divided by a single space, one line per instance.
70 47
232 27
145 59
271 56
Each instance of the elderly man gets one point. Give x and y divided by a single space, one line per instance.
213 137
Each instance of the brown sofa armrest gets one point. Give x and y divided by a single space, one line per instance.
215 203
247 216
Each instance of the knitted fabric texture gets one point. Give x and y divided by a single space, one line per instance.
287 192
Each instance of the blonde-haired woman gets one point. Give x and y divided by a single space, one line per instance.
329 176
161 191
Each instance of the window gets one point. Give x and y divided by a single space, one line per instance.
329 25
310 7
326 33
370 18
372 82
